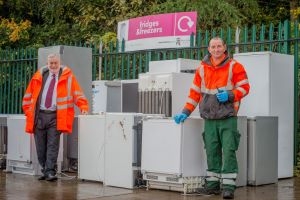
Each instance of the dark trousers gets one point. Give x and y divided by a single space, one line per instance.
47 141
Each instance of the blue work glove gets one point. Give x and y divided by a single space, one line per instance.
222 96
180 118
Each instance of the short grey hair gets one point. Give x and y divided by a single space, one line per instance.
53 55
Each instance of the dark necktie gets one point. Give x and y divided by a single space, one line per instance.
48 102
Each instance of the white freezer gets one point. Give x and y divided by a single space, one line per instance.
91 147
99 100
173 149
177 65
122 149
173 156
21 151
271 77
263 149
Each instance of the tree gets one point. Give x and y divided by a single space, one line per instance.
67 21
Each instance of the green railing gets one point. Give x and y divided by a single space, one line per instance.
111 62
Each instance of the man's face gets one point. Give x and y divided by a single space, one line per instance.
216 48
54 65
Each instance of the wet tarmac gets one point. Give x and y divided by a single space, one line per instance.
26 187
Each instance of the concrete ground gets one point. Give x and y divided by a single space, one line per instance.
27 187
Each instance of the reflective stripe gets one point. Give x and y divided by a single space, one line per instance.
61 99
27 95
81 97
209 91
192 101
65 106
240 83
230 175
215 91
201 74
69 85
230 74
228 182
242 90
213 174
24 103
195 87
61 107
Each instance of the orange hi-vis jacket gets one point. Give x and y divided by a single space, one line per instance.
208 80
68 94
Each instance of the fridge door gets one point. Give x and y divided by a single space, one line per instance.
161 146
119 150
91 131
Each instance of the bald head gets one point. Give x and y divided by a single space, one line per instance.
217 48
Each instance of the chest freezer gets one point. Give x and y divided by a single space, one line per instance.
173 155
174 158
21 151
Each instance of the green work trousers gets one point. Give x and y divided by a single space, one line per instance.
221 140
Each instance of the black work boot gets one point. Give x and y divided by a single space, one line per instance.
42 177
228 194
208 191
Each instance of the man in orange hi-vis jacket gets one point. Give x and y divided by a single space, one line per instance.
48 105
219 85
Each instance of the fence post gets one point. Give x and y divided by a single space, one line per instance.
286 36
296 92
237 39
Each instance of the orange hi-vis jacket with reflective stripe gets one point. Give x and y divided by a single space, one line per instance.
68 94
208 80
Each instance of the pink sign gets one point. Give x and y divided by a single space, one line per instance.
172 24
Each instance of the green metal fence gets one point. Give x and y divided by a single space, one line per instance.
109 62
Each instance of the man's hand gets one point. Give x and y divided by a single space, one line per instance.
84 112
222 96
180 118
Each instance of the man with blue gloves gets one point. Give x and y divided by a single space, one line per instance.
219 85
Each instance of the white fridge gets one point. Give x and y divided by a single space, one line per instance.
123 140
91 147
271 76
174 158
21 151
263 150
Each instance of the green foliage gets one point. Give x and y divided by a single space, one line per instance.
214 14
88 20
274 11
